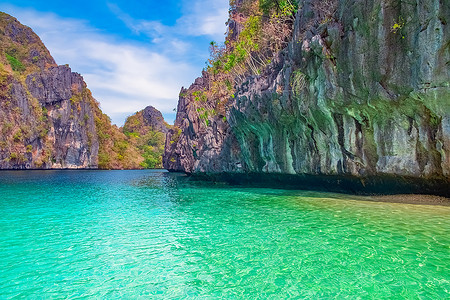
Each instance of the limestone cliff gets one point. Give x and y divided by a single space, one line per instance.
360 90
46 111
48 117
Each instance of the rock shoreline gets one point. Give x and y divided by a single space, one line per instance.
378 186
350 102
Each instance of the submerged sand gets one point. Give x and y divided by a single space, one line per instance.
411 199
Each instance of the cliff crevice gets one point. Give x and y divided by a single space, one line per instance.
361 89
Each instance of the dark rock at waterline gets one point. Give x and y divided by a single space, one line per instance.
348 98
371 185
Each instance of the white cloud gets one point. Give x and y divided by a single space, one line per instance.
205 17
200 18
126 76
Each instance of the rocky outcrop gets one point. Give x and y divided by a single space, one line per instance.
193 144
47 114
147 131
362 91
47 124
154 118
20 42
70 114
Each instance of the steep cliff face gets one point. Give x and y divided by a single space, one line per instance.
154 118
198 141
50 120
69 109
362 89
46 111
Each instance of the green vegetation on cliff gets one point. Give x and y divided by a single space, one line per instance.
262 29
22 118
21 48
49 118
340 88
147 139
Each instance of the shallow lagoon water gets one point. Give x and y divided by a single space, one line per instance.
152 234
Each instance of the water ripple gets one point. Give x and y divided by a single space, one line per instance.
151 234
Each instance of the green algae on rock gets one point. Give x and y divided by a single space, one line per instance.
351 94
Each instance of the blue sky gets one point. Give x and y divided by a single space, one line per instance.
131 53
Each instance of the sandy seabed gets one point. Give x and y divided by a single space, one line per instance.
411 199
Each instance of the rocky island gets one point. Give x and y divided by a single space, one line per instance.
50 120
346 95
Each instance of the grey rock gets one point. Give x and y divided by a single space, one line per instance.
154 118
55 84
372 101
46 119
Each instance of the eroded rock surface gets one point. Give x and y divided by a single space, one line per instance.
47 114
154 118
353 95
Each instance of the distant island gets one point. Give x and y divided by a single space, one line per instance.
50 120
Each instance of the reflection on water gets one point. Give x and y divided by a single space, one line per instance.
151 233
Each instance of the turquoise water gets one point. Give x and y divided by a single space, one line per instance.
151 234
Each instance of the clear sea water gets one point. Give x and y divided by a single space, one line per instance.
155 235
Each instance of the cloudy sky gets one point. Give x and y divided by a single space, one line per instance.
131 53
